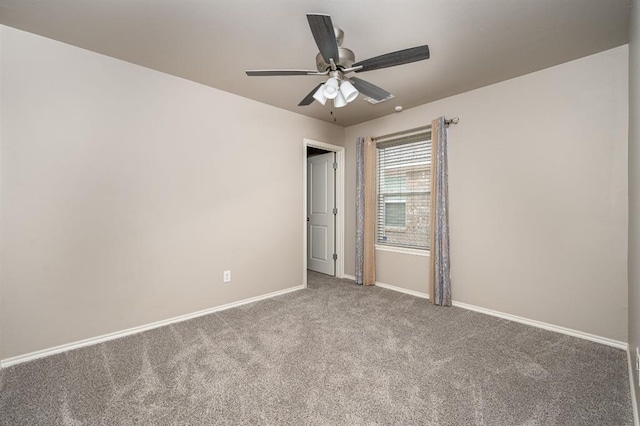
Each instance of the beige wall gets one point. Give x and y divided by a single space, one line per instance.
538 195
634 187
117 209
127 192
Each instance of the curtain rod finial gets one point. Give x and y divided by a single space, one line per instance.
454 120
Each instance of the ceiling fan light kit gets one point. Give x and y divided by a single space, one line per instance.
331 88
339 101
348 91
337 61
319 95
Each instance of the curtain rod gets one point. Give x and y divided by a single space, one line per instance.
447 121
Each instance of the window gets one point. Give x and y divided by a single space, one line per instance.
404 190
395 206
395 213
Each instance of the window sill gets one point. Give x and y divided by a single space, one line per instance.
403 250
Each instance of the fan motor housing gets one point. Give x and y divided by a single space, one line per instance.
345 60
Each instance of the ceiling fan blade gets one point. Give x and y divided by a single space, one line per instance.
322 30
308 100
256 73
369 89
400 57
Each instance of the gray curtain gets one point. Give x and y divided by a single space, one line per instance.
359 210
440 289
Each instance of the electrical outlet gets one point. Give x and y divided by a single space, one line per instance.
226 277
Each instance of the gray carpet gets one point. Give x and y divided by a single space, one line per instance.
335 353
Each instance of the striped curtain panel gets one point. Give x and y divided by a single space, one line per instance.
365 211
440 290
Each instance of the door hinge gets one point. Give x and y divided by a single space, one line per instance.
335 211
335 256
335 166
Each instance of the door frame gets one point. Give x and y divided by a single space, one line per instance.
339 182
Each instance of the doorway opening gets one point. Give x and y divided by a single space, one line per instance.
323 209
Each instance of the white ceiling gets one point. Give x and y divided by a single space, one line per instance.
473 43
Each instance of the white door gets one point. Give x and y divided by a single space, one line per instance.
321 222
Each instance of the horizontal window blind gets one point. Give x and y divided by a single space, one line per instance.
404 190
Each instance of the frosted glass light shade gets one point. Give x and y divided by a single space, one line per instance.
339 101
331 88
319 95
348 91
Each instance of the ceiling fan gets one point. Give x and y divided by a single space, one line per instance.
336 62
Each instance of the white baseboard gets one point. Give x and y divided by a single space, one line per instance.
403 290
394 288
106 337
551 327
632 371
539 324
